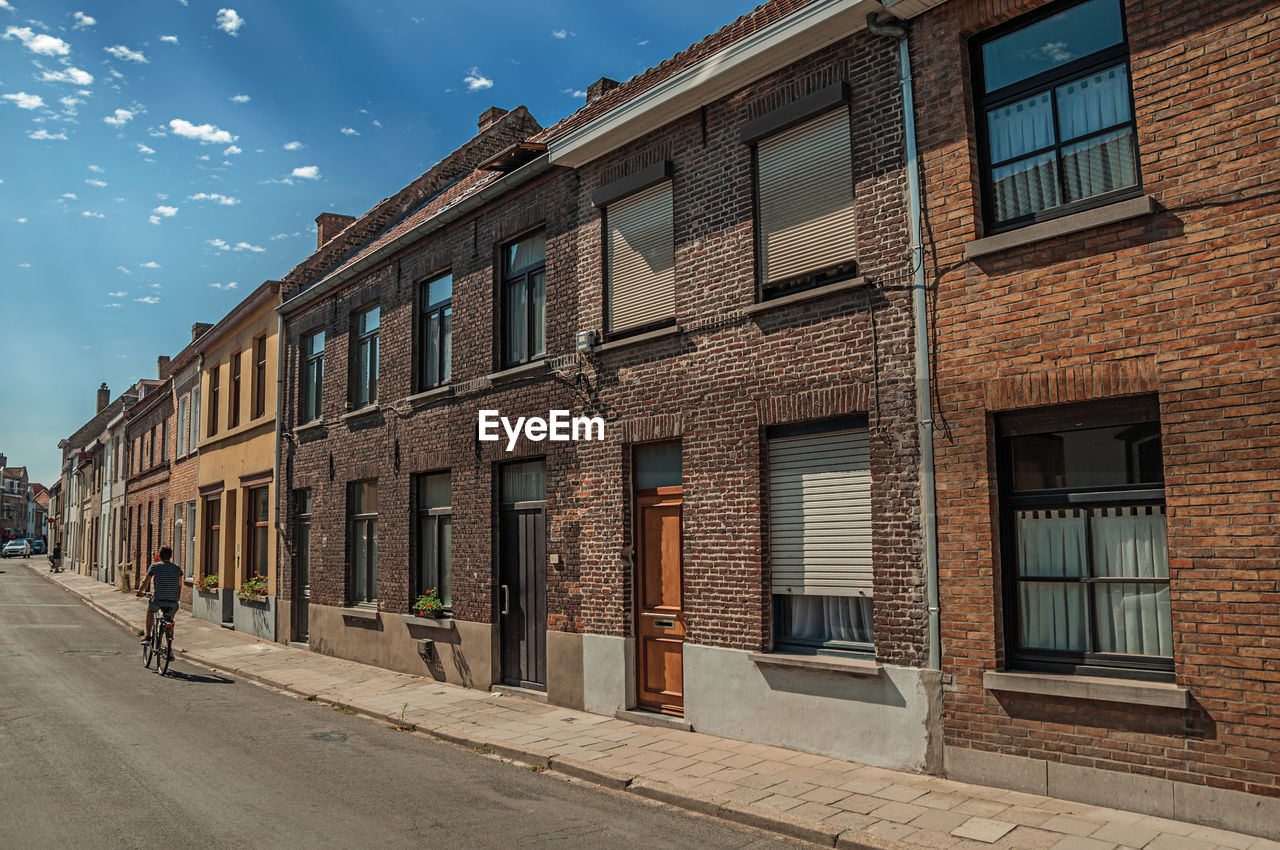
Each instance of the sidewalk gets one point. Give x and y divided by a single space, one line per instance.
823 800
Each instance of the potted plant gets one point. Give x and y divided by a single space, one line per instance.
207 583
428 605
254 589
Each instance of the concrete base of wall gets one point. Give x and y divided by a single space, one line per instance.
214 606
884 720
564 669
255 618
1218 807
460 653
608 674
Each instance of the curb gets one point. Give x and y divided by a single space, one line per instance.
750 816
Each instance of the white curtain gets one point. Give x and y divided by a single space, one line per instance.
1086 106
1027 185
1132 618
829 618
1052 543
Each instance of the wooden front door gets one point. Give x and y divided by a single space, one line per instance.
522 594
660 617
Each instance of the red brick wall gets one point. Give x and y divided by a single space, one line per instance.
1182 303
148 483
183 474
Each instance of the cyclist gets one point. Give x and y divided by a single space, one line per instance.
168 577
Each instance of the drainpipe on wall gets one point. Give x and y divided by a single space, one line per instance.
275 475
919 301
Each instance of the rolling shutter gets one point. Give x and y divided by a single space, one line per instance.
641 257
820 513
806 198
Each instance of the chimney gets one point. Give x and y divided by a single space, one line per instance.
4 461
104 397
490 116
199 329
161 362
329 225
599 87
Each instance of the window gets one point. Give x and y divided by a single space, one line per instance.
437 331
151 453
640 260
195 418
259 377
364 381
302 540
215 376
1083 521
362 541
233 413
259 527
1056 114
804 197
524 299
212 535
164 440
188 542
820 537
184 412
312 375
435 535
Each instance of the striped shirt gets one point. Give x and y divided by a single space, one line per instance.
166 580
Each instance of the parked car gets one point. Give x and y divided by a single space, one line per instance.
37 547
19 547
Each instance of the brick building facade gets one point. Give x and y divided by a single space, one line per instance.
147 437
1106 371
184 372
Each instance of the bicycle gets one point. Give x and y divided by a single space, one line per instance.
160 646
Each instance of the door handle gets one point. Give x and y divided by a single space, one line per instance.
506 607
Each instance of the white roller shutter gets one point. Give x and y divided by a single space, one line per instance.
641 257
806 198
820 513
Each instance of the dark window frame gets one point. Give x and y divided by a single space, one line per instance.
253 523
312 377
364 387
1129 411
355 520
259 376
210 557
525 278
441 312
1047 81
436 517
233 411
215 380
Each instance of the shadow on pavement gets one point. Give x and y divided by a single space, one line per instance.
199 678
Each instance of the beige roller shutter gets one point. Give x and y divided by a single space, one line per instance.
820 513
806 198
641 257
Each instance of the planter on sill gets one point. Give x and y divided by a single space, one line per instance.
207 589
261 600
429 622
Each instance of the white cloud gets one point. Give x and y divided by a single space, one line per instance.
231 285
214 196
574 92
241 98
83 21
377 123
122 270
69 104
147 299
120 294
120 118
19 221
69 196
169 39
45 45
203 133
560 34
70 75
43 135
476 81
307 172
96 169
4 4
25 101
162 211
95 182
232 151
156 286
229 22
204 158
245 246
279 236
149 264
124 54
143 149
92 214
349 131
219 244
293 146
24 265
108 306
642 43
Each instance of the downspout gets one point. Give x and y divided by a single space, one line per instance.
275 474
919 303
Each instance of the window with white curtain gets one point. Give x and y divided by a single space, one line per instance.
1086 557
1055 111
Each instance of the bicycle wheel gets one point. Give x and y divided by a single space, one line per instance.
164 654
148 649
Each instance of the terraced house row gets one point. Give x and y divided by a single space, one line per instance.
935 346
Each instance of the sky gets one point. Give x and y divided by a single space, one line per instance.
159 159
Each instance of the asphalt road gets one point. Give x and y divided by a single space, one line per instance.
96 751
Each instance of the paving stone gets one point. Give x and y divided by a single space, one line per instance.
1165 841
859 803
938 800
826 796
794 788
940 819
1081 842
1234 840
981 808
759 781
899 812
1125 833
851 821
778 803
884 830
864 785
1070 825
813 811
900 793
1025 816
745 796
983 829
1029 838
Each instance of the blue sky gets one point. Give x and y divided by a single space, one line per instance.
161 158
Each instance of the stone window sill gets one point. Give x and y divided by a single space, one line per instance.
638 339
1130 691
359 613
433 394
308 427
430 622
1065 226
367 410
526 370
825 663
806 295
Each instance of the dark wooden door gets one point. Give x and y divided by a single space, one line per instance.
660 627
522 594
